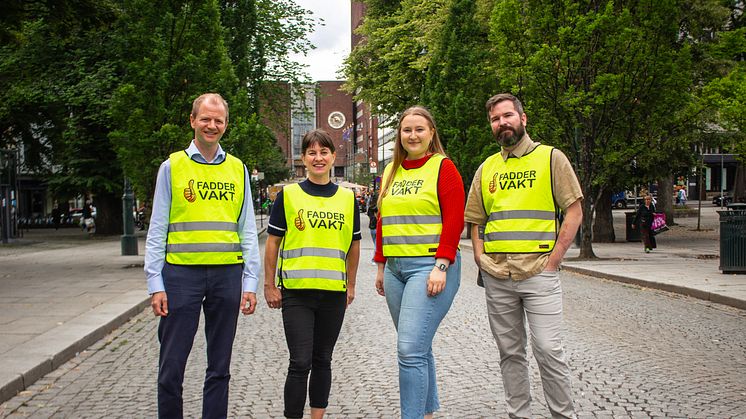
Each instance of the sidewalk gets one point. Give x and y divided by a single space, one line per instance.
60 292
686 261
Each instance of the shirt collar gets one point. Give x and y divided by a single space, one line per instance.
194 154
523 147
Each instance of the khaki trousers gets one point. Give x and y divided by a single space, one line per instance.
537 300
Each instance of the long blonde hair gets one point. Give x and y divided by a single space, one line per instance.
400 153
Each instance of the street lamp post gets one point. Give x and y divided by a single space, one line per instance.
722 183
129 241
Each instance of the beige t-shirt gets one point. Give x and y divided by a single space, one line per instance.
566 190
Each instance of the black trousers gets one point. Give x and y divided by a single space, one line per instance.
312 320
217 291
648 238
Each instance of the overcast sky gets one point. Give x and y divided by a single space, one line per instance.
332 40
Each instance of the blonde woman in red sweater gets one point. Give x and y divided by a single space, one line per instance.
421 210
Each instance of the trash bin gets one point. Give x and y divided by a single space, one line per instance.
633 235
733 239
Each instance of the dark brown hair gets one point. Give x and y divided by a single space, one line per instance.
317 136
494 100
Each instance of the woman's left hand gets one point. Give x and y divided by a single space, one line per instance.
436 283
350 295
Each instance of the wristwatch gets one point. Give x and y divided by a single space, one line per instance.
441 266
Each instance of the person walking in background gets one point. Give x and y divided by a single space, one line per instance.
517 195
88 224
56 215
201 253
421 209
682 196
373 223
644 221
315 228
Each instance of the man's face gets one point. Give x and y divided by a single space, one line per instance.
508 126
209 124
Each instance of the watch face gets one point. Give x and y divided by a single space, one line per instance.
336 120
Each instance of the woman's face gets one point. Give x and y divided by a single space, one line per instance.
416 134
318 161
648 200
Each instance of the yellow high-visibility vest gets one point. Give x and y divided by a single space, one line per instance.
518 199
206 201
313 253
411 221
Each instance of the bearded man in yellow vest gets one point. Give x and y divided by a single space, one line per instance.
201 254
517 195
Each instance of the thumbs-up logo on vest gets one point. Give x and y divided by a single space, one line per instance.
493 183
189 194
299 223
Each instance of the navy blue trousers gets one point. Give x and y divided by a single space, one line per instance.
216 290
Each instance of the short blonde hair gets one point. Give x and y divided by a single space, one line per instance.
212 97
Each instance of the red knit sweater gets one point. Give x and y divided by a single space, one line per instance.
451 198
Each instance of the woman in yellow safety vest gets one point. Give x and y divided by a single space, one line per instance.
310 264
421 210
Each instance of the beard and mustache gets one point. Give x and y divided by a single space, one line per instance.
508 136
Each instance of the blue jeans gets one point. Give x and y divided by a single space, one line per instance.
416 318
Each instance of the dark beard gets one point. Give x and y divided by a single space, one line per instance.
508 137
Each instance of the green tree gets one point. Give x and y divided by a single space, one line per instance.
388 69
55 77
172 53
599 79
457 86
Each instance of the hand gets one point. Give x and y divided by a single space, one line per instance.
273 296
350 295
551 267
436 283
248 303
633 226
379 280
159 303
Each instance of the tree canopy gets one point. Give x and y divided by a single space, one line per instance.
95 91
616 85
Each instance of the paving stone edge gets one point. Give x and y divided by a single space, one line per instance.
691 292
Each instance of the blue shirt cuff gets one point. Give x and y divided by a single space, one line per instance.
155 284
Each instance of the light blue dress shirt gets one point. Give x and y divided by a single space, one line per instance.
155 245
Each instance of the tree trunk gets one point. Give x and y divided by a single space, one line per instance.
586 229
665 198
739 186
108 214
603 222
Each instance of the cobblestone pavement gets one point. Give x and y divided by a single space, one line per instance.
633 353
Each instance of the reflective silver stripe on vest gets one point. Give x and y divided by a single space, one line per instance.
203 247
433 238
520 235
411 219
313 251
531 214
202 226
313 273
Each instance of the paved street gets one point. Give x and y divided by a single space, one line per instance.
633 353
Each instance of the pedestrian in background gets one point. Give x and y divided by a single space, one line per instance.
315 228
88 224
682 196
517 195
644 221
56 215
373 223
201 253
421 210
